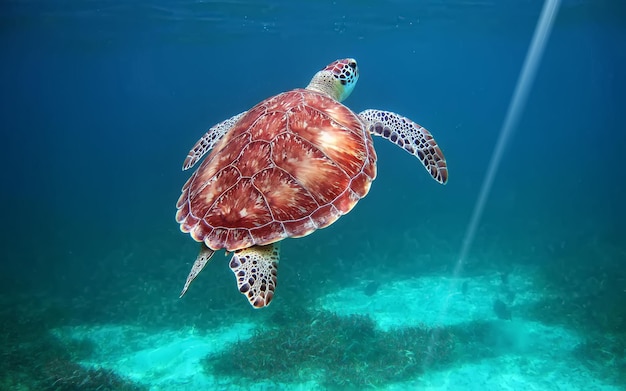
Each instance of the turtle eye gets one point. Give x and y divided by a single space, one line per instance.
352 64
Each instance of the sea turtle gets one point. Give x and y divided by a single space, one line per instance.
292 164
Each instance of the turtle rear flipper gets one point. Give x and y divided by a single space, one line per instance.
255 269
203 258
411 137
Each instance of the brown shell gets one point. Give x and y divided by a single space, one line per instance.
292 164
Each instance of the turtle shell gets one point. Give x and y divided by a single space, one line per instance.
292 164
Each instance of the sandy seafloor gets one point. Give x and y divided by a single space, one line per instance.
531 355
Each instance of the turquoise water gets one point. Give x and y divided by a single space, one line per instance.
101 101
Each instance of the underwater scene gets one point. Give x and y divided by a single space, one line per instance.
489 252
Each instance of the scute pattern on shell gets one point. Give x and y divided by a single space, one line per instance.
292 164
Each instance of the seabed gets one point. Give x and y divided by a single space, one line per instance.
455 341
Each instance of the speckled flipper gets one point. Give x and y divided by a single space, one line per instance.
255 269
411 137
203 258
208 141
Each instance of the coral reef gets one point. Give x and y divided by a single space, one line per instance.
340 352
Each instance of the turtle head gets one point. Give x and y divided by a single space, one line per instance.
337 79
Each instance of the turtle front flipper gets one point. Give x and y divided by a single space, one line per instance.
203 258
208 141
411 137
255 269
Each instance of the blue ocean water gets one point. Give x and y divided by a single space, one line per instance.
101 101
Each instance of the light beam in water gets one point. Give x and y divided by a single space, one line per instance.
527 76
516 106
